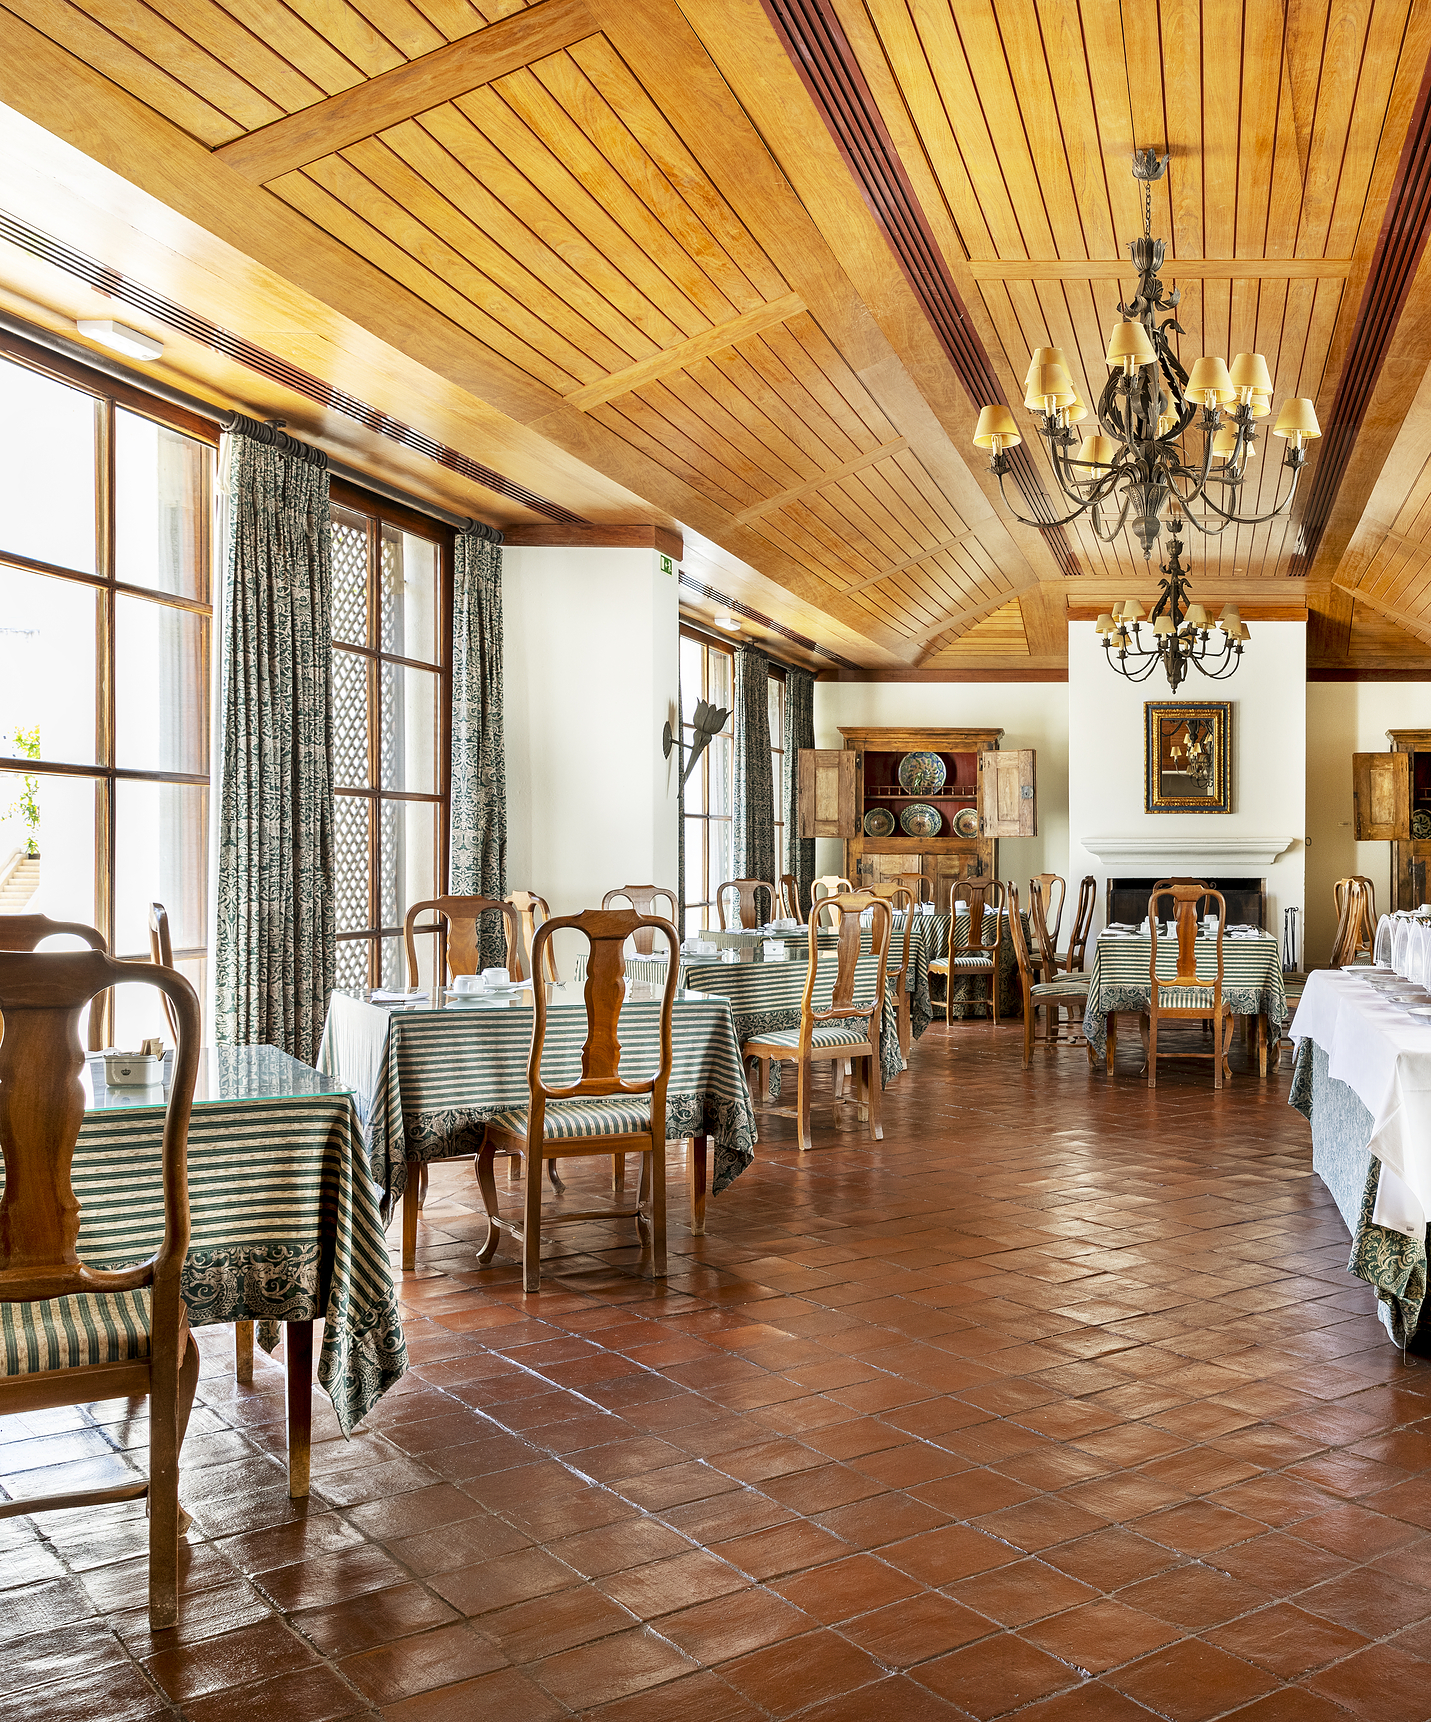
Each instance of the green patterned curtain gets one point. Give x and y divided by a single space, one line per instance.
274 944
478 865
754 807
799 732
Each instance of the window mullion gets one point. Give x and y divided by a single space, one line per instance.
375 718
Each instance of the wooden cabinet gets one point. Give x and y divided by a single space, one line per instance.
1394 800
970 823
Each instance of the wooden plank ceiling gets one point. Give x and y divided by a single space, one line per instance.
565 213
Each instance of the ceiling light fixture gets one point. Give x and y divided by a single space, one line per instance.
731 624
1137 464
120 338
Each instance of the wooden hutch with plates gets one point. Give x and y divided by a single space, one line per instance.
943 819
1391 800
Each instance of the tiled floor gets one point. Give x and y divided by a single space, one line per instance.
1058 1402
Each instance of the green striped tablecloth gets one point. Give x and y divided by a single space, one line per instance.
1119 979
284 1218
427 1077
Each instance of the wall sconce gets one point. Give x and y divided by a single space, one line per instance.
708 722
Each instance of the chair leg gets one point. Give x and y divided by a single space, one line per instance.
658 1211
1111 1050
696 1173
514 1162
802 1103
1217 1046
876 1095
409 1219
298 1366
994 991
487 1184
243 1353
618 1171
169 1399
532 1225
1152 1051
1030 1012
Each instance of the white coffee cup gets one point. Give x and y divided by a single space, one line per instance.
466 983
496 978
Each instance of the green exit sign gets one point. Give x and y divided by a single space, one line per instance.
665 564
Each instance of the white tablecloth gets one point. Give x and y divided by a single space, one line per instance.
1384 1056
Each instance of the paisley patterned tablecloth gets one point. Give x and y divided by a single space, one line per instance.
284 1217
964 996
1119 979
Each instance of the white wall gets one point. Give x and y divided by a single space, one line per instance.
1031 714
1269 785
1344 718
591 666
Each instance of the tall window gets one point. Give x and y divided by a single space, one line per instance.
777 771
706 674
392 702
105 616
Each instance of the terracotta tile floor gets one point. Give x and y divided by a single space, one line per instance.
1058 1402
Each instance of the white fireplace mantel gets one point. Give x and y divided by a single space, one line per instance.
1164 853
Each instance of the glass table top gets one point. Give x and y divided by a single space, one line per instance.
226 1074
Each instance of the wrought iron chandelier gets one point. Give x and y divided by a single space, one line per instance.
1142 463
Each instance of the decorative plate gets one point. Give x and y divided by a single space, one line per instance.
966 823
919 819
1420 823
879 822
924 774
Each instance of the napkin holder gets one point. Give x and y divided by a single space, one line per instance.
776 951
142 1069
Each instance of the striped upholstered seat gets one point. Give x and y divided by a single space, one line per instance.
852 1033
68 1332
567 1120
1065 987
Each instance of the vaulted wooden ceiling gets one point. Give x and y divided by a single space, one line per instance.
626 256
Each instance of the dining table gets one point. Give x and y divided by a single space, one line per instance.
431 1068
284 1220
1120 980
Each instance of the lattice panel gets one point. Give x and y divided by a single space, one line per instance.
394 963
390 734
389 862
351 881
352 970
350 720
349 577
390 577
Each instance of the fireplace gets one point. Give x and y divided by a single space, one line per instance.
1246 900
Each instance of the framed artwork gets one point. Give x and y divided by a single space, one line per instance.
1187 756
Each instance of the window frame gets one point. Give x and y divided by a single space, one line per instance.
379 511
703 767
109 394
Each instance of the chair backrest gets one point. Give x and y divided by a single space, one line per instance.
746 889
606 932
642 899
827 885
1164 889
456 929
1049 889
847 908
161 953
1045 941
982 896
532 910
1020 944
1363 927
790 898
24 932
1082 924
1188 895
916 883
1352 900
42 1109
901 902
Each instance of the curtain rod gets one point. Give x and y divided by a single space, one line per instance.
226 420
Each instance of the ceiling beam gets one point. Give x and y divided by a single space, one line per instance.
373 106
1176 268
953 621
713 340
847 470
639 537
1417 626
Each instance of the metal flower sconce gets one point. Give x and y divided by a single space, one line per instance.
707 723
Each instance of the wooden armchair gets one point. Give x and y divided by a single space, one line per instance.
746 901
846 1030
1189 998
529 906
642 899
1361 927
74 1334
826 886
600 1113
1064 992
790 898
457 942
975 956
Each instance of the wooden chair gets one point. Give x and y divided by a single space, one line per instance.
1073 959
1045 960
845 1030
83 1334
746 901
1362 928
975 956
915 884
1065 992
456 929
901 978
528 906
827 885
161 953
24 932
600 1113
1201 1002
642 899
1050 891
790 898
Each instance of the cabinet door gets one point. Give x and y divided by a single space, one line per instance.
829 792
946 870
1008 805
1381 796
